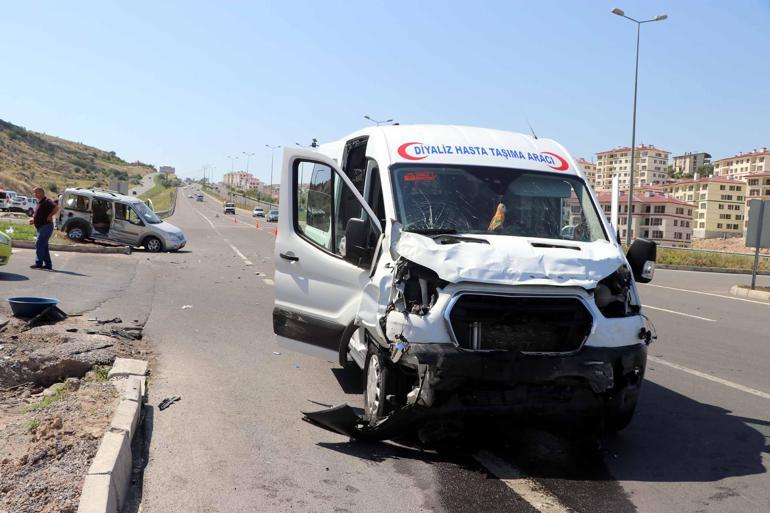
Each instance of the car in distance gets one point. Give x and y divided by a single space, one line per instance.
6 199
230 208
272 216
258 212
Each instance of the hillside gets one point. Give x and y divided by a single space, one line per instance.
30 158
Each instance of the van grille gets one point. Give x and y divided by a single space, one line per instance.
525 324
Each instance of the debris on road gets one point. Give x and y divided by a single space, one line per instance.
115 320
186 307
50 315
165 403
276 352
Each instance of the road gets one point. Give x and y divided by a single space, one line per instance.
146 184
236 442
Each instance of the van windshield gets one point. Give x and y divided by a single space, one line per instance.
146 214
496 201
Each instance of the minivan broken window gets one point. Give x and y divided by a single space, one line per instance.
494 201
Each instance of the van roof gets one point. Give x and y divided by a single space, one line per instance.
102 194
456 144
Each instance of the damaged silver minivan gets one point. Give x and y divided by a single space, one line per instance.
466 271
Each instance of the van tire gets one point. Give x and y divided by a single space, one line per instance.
377 384
152 244
31 212
77 232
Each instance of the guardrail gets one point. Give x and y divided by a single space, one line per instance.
708 259
170 212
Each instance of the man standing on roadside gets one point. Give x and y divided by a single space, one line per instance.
43 220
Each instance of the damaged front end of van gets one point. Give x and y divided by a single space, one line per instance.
464 326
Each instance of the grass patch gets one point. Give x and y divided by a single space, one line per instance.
60 392
162 195
100 373
32 425
20 231
693 257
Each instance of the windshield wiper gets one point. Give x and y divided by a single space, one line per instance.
448 238
431 231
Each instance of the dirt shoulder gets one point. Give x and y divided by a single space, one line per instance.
55 404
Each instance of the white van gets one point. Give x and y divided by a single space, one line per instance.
466 271
107 215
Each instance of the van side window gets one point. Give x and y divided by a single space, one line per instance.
77 202
323 206
133 217
374 191
120 211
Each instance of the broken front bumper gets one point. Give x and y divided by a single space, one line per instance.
468 382
454 383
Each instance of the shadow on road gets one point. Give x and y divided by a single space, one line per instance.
672 438
71 273
349 379
12 277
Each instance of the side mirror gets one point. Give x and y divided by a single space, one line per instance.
641 257
356 241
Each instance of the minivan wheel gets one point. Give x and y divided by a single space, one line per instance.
377 380
76 233
153 244
30 212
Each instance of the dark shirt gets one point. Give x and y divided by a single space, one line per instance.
43 209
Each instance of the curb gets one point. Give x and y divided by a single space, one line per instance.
29 244
108 480
737 291
709 269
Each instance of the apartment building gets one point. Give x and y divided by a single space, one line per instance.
743 164
654 216
690 163
649 168
242 180
590 170
720 205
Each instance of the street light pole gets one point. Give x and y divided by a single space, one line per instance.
630 206
272 158
376 122
247 159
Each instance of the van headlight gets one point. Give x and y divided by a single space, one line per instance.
613 294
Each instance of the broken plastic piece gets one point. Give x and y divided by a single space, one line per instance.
344 420
186 307
165 403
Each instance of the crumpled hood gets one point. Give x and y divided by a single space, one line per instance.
513 260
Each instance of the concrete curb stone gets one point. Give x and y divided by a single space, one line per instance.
113 459
127 367
109 478
119 250
761 295
97 495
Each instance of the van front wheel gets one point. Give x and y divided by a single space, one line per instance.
153 244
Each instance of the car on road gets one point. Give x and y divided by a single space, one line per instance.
106 215
467 272
6 199
23 204
5 249
272 216
258 212
230 208
199 197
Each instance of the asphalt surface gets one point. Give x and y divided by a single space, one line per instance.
236 442
146 184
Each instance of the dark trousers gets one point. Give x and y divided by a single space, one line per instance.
41 246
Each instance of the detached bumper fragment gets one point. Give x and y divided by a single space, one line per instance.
344 420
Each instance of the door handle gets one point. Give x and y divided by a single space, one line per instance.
290 258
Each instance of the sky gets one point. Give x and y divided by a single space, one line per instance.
189 83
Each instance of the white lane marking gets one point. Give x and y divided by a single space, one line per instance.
235 250
679 313
715 379
523 486
709 294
